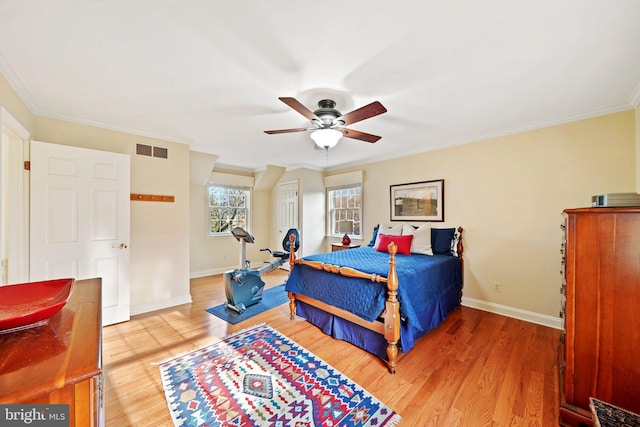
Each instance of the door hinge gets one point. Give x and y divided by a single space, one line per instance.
27 165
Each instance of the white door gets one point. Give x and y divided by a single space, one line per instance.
287 208
80 220
14 227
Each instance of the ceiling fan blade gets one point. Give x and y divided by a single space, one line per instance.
296 105
356 134
370 110
272 132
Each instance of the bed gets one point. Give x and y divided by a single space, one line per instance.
380 300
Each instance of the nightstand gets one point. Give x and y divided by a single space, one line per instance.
335 247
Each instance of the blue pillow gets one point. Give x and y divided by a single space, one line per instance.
441 239
375 234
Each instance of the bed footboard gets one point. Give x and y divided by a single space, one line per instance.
391 314
390 327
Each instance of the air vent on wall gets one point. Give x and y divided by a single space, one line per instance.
163 153
143 150
148 150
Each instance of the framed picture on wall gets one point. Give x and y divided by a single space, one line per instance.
418 201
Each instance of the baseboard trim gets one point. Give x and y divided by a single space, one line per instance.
516 313
159 305
211 272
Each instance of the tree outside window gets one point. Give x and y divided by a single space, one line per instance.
228 208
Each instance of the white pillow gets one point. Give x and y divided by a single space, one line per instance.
421 243
396 230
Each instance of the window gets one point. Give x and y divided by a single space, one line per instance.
344 204
344 214
228 208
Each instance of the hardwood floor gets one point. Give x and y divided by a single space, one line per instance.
475 369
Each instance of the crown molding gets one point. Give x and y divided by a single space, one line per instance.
635 96
497 134
14 81
22 91
124 129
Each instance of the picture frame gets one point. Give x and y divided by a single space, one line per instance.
417 201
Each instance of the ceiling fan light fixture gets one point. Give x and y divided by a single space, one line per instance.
326 138
328 123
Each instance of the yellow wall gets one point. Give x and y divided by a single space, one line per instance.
12 102
159 265
211 255
159 247
508 193
217 254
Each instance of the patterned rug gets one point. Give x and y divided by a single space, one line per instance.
259 377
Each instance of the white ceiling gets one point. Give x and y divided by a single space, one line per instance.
209 73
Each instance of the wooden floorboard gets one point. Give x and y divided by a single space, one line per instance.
475 369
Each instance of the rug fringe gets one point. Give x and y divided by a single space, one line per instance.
177 355
395 420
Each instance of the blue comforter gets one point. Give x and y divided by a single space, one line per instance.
422 280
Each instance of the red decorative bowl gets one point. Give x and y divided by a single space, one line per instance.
32 304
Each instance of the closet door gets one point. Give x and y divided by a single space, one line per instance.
80 220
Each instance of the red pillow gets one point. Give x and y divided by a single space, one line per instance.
402 242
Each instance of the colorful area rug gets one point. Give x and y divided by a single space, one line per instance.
259 377
271 297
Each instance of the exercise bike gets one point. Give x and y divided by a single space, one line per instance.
243 286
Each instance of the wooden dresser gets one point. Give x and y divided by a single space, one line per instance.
600 353
61 362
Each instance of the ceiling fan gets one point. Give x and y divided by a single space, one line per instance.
328 123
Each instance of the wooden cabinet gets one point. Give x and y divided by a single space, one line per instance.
335 247
59 363
601 346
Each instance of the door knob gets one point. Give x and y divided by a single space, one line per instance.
119 246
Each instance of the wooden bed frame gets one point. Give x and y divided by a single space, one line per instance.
389 326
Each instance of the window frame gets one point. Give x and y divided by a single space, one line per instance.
248 196
330 210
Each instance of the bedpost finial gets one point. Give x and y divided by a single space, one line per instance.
393 248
